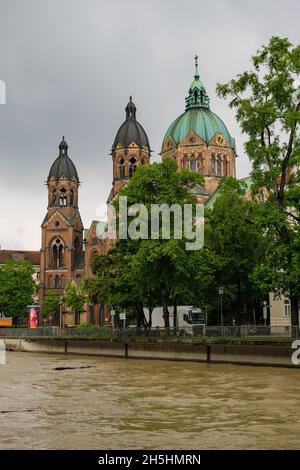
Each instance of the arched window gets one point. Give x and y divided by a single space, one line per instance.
219 166
122 168
200 163
213 164
201 96
71 197
77 252
57 283
58 253
63 198
53 197
193 164
132 166
196 96
225 167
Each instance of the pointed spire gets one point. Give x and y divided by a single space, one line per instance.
196 76
130 109
63 147
197 97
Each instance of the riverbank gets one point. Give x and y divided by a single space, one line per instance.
247 353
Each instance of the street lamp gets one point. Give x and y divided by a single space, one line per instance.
265 311
221 293
61 302
112 314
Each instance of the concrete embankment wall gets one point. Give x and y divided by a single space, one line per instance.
275 355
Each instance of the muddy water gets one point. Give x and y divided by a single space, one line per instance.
119 404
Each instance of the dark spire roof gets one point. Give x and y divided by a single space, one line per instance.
131 130
130 109
63 165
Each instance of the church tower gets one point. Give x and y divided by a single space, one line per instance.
130 149
199 140
62 258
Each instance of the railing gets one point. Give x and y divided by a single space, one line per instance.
185 331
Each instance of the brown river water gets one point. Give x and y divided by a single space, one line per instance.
136 404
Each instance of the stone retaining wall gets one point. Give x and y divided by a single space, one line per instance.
275 355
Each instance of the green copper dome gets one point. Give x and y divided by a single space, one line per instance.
197 117
203 122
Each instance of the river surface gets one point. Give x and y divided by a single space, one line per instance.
135 404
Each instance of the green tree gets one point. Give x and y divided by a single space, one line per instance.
75 298
17 288
144 272
155 269
267 103
233 248
99 287
51 306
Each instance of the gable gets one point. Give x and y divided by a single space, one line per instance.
56 220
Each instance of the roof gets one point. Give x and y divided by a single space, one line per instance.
69 219
100 228
63 165
131 130
19 256
197 189
203 122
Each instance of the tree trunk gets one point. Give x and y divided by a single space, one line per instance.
175 315
140 316
150 317
166 316
239 300
294 314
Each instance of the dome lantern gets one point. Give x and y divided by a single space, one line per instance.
197 97
130 109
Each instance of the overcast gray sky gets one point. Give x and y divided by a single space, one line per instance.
70 66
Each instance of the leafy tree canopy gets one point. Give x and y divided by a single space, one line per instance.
17 288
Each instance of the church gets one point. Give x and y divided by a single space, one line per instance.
198 140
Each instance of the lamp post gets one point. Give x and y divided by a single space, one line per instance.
61 302
205 315
221 293
112 314
265 311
